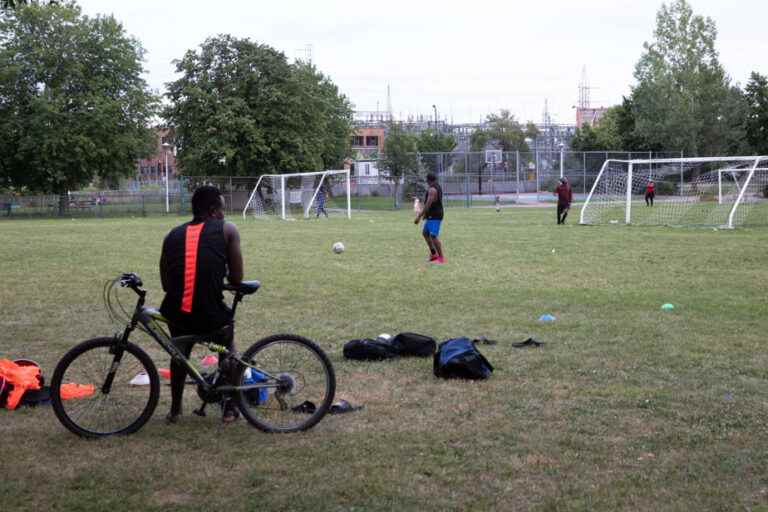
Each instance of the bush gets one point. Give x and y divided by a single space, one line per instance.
665 188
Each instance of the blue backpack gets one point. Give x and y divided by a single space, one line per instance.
259 395
458 358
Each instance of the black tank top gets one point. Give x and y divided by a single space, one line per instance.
196 259
435 211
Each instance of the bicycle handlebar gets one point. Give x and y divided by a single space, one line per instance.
134 282
130 280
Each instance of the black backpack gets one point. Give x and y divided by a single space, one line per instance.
458 358
370 350
411 344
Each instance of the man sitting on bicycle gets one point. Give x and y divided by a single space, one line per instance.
196 258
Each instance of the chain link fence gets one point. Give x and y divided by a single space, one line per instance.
516 178
467 179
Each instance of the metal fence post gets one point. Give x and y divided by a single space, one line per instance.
537 175
466 179
231 195
517 174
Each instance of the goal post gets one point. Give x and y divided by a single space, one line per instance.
293 195
718 191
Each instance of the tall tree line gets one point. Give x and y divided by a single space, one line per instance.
73 104
74 107
683 99
240 108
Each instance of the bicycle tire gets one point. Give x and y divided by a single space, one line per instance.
74 366
260 355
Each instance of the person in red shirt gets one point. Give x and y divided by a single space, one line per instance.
649 193
564 197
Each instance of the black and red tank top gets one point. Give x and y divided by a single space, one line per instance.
196 262
435 211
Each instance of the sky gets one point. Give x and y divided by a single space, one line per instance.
467 59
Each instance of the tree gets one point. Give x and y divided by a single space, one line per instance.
504 129
13 4
73 105
682 91
400 158
757 116
333 115
626 123
432 141
241 109
531 130
585 139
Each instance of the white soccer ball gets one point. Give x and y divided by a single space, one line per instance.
338 247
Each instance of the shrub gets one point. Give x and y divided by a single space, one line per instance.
665 188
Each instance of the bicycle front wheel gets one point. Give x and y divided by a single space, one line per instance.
100 389
301 379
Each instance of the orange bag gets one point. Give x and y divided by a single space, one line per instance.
21 378
69 391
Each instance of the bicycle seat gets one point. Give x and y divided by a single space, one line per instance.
244 288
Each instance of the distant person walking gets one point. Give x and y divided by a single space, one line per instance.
564 197
433 215
650 193
321 203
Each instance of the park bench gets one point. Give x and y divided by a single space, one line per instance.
82 204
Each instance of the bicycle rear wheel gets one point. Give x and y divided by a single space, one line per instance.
299 373
104 404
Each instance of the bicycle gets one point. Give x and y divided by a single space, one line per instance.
278 378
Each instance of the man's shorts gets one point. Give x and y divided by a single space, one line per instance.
432 227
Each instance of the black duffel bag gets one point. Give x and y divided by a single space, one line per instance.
458 358
370 350
412 344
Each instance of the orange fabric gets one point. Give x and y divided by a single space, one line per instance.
21 378
69 391
190 265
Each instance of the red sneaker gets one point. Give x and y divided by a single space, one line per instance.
439 260
433 257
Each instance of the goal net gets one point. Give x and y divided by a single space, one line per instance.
300 195
713 191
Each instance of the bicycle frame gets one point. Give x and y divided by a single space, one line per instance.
150 319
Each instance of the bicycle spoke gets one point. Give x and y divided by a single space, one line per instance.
303 375
105 413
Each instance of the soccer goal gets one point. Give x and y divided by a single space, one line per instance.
299 195
713 191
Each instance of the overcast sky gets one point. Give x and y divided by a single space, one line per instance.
466 58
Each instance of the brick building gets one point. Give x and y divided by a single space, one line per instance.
152 168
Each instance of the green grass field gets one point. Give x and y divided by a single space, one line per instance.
626 407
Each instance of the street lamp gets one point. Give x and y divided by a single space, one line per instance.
167 147
435 109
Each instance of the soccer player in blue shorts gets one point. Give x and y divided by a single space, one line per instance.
433 215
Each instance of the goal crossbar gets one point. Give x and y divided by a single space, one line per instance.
693 160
